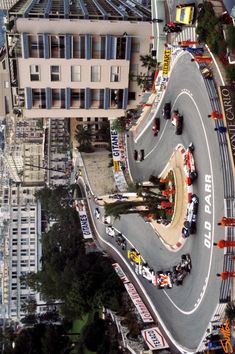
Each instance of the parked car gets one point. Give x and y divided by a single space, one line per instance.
136 155
97 213
185 14
110 231
121 241
141 154
167 110
164 280
191 218
156 126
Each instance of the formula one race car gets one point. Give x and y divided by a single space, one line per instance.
148 273
181 270
164 280
189 165
167 110
121 241
191 218
106 219
134 256
177 121
110 231
156 126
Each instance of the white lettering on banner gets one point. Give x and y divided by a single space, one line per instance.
115 145
154 338
142 309
85 224
208 204
120 273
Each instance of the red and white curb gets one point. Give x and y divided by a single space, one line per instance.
182 239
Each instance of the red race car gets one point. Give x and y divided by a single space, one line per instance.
156 126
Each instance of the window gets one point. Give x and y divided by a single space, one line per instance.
34 72
6 84
55 73
4 65
75 73
131 96
95 73
115 73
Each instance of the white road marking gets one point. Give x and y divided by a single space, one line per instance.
157 142
213 215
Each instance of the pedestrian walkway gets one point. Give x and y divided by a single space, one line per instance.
188 33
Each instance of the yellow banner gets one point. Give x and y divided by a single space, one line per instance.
166 62
116 166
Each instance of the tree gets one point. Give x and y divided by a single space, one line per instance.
119 124
149 203
93 334
230 72
29 306
148 62
231 37
104 131
84 138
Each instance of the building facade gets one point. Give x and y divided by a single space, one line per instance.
7 4
76 59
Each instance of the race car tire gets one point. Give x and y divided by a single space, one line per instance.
159 287
184 257
179 282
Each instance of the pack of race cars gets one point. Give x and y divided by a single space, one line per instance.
161 279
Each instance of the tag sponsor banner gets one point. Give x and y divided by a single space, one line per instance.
227 98
137 301
166 62
86 231
154 338
120 181
115 145
120 273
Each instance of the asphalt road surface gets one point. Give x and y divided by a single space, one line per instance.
185 310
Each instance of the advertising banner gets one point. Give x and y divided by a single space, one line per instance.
115 145
80 207
120 273
227 98
137 301
166 62
154 338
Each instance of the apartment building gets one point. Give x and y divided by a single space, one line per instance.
76 59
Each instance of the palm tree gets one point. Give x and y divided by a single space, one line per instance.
84 138
230 311
148 203
148 62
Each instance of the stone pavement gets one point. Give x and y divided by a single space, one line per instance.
100 176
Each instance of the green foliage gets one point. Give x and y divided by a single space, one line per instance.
209 29
230 72
41 339
93 334
104 131
148 62
119 124
230 36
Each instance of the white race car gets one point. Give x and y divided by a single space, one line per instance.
106 219
110 231
189 165
148 273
